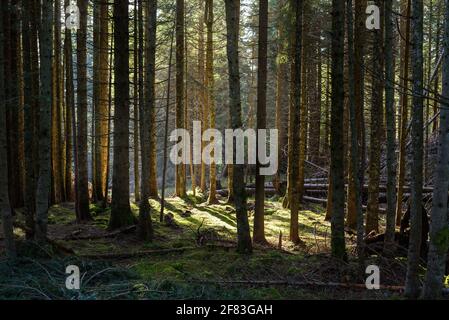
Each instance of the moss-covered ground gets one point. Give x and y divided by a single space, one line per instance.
192 256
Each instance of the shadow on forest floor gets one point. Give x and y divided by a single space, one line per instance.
195 259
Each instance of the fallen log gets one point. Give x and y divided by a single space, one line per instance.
382 188
249 191
324 202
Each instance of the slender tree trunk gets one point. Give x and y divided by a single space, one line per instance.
29 122
391 124
439 229
405 48
412 285
83 213
167 116
354 145
354 178
281 100
152 113
56 130
209 17
244 244
5 208
44 180
202 94
101 102
136 105
337 157
372 214
146 228
108 147
180 168
294 120
259 211
121 214
12 96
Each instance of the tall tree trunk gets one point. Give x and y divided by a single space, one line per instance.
372 214
294 119
121 214
153 193
29 122
136 106
180 168
412 285
439 229
44 180
354 178
281 98
209 17
405 52
354 174
391 124
12 96
56 132
259 210
5 208
101 102
240 199
146 229
202 94
82 174
337 157
167 116
69 107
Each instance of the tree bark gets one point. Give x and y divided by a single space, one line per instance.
244 244
259 211
5 208
439 230
121 215
412 285
390 123
82 206
44 180
337 157
180 168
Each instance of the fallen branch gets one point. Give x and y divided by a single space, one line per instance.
127 255
296 284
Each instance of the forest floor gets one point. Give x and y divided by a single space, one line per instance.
192 257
